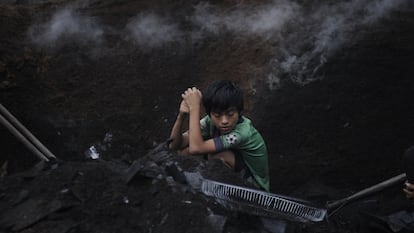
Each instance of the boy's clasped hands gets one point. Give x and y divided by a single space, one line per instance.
191 100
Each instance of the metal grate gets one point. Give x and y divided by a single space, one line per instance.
260 203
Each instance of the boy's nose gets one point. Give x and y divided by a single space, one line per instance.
224 120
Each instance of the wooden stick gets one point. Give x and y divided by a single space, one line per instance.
378 187
24 131
23 139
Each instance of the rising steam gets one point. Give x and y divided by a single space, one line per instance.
150 30
322 33
264 21
305 37
66 26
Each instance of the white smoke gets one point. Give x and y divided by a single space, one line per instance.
304 38
263 21
322 33
150 30
66 25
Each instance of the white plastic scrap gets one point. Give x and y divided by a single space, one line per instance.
93 153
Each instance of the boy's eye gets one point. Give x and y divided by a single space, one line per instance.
230 113
217 115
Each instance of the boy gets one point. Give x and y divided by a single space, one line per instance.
223 133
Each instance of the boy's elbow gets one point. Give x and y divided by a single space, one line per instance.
193 150
175 143
172 147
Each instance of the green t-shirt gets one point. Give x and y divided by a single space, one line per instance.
248 141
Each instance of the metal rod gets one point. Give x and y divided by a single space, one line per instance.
23 139
23 130
378 187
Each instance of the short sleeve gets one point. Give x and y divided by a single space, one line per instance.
227 141
204 127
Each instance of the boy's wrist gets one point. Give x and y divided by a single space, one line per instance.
182 115
194 109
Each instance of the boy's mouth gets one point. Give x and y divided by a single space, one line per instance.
225 129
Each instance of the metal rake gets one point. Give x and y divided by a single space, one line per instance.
260 203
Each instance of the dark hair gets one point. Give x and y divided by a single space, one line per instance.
220 95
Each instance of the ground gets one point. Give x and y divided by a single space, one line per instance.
334 106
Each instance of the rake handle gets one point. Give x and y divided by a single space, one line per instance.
23 139
375 188
24 135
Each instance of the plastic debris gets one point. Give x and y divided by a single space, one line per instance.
108 138
66 190
92 153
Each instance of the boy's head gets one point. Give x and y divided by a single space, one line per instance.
221 95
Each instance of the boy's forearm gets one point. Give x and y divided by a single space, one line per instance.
194 131
176 134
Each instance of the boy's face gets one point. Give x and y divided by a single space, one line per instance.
226 120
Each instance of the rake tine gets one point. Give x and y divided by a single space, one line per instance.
260 203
